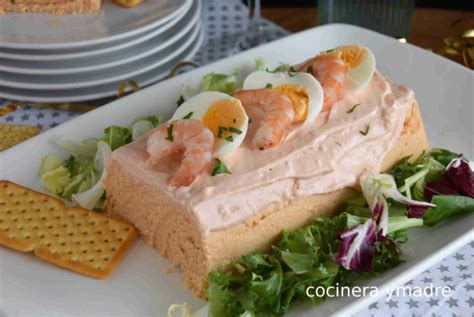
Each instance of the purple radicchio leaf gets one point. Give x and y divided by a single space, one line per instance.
416 211
440 187
461 174
380 213
377 187
357 249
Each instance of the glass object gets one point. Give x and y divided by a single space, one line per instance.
391 17
255 34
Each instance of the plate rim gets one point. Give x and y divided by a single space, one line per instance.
87 97
100 40
140 54
158 61
140 38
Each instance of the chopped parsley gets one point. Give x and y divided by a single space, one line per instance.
269 86
235 130
309 69
292 72
220 131
170 133
229 138
338 143
367 128
180 100
220 168
351 110
188 116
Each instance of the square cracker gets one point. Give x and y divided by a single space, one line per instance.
74 238
11 134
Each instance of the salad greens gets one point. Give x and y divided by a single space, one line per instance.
227 83
447 207
221 82
363 240
78 178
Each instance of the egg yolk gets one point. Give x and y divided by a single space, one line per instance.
299 98
224 114
351 55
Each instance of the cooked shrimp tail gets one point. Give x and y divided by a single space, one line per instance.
330 71
272 110
190 136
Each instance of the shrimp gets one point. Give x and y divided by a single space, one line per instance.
331 72
193 137
272 111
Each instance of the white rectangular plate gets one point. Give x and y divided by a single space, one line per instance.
139 286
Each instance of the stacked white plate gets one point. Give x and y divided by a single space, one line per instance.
48 58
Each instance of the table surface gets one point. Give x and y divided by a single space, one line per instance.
429 26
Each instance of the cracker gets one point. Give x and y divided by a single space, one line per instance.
128 3
74 238
12 134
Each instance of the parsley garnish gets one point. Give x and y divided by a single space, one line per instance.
366 130
219 168
170 133
351 110
180 100
338 143
220 131
309 69
188 116
235 130
269 86
230 138
292 72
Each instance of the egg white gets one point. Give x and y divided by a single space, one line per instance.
312 87
199 105
359 76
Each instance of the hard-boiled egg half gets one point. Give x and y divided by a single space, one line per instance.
304 91
361 62
222 114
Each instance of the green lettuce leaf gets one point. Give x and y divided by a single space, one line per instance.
387 256
260 64
411 177
443 156
83 175
447 207
116 136
55 177
221 301
220 82
297 262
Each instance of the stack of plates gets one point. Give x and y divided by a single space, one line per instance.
47 58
